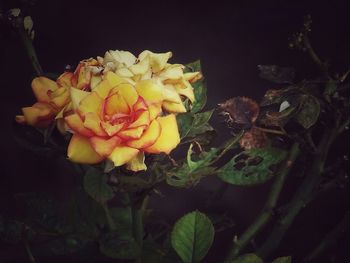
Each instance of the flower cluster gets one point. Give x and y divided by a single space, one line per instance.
118 107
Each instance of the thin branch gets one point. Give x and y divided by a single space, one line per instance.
302 194
29 252
279 132
239 244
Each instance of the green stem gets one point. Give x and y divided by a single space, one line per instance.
29 252
302 194
110 220
330 239
28 45
266 214
137 214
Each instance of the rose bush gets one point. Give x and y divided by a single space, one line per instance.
120 122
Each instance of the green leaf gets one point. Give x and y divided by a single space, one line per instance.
184 122
251 167
193 66
309 111
246 258
122 219
95 184
192 236
283 260
200 95
119 246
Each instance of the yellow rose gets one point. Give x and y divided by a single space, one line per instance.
53 98
119 121
173 81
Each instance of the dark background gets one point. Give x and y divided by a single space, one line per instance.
230 39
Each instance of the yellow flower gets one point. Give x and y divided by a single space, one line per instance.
173 82
119 121
53 97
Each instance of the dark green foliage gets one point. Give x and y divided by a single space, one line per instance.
192 236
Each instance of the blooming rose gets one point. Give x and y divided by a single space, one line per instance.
119 121
53 97
171 78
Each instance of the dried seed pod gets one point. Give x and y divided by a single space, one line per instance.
240 111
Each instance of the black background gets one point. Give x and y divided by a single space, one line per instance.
230 39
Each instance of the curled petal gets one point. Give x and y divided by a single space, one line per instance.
124 72
133 133
169 136
91 103
39 115
81 151
150 91
103 88
76 124
140 68
173 107
148 137
111 129
172 72
154 111
77 96
92 122
122 154
193 76
137 163
157 60
142 119
170 94
114 79
104 147
64 80
59 98
187 91
41 86
116 104
128 92
120 57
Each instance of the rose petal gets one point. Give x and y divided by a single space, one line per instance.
64 80
112 129
93 122
116 104
122 155
41 86
128 92
104 147
169 136
142 119
133 133
76 124
137 163
173 107
148 137
150 91
91 103
81 151
77 96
